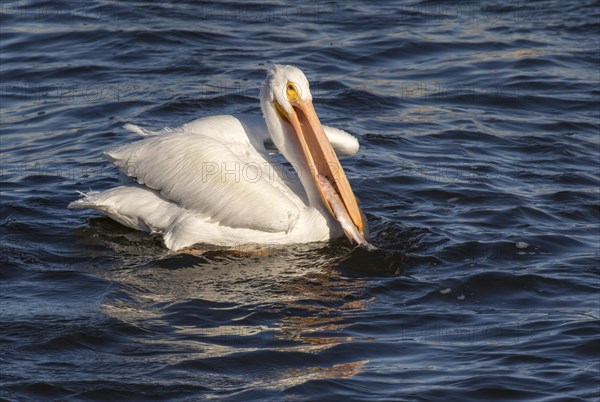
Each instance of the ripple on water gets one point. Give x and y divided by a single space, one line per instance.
478 173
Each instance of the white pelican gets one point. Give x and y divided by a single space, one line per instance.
213 180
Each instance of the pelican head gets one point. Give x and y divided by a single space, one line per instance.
296 131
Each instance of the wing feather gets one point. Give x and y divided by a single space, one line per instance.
214 169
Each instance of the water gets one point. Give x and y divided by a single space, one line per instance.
478 172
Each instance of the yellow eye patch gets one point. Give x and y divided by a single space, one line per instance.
292 92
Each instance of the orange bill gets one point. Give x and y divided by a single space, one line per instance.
321 158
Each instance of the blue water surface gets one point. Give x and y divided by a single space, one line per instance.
478 171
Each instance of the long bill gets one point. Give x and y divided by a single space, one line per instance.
322 160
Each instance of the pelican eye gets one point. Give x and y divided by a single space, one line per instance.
292 92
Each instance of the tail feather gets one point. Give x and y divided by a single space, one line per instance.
87 200
131 205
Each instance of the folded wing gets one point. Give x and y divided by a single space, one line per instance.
217 170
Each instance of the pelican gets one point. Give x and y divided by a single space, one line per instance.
214 180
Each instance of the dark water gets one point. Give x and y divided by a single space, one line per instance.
479 173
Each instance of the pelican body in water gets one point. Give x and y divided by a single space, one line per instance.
214 181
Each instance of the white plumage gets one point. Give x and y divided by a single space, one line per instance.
213 180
